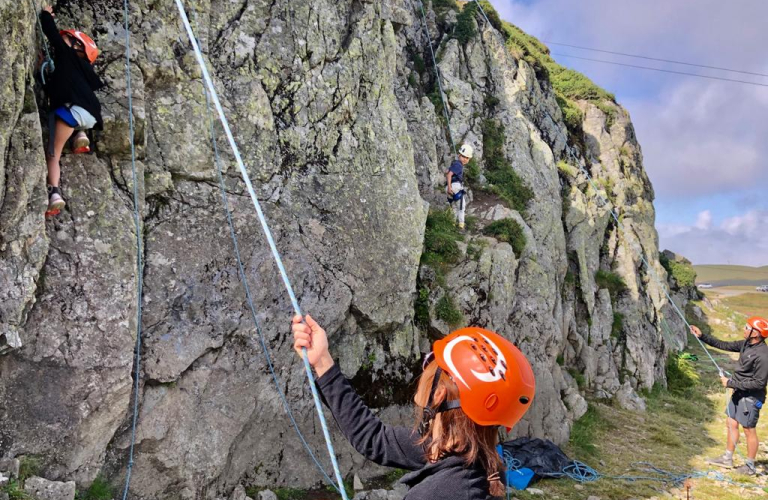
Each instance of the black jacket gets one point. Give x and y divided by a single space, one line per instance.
73 80
448 478
751 376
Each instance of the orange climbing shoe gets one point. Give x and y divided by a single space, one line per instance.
81 144
55 201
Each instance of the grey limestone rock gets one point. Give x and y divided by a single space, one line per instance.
628 399
330 108
43 489
10 466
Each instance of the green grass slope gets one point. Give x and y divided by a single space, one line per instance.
731 275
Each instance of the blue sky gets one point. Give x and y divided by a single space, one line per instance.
705 142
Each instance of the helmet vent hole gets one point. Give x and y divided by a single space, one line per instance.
524 400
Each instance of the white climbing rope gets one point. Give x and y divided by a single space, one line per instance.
268 234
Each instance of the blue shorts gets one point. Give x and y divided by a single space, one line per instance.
67 117
76 117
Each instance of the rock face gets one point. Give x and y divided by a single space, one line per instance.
42 489
328 103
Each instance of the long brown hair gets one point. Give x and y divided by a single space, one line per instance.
453 433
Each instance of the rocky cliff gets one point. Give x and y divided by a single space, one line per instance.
335 108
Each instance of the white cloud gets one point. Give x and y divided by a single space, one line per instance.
700 139
742 239
704 220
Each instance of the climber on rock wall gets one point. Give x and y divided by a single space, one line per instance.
74 104
473 382
454 180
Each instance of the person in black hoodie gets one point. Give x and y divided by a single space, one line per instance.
473 382
70 89
748 383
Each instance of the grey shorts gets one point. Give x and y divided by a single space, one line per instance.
744 410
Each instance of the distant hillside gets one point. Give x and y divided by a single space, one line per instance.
724 275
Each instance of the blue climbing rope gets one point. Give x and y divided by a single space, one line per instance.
139 252
48 63
583 473
511 464
438 77
249 298
267 234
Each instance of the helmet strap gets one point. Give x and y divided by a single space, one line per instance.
428 413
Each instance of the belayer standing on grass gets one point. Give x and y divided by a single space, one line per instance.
748 383
70 89
473 381
454 181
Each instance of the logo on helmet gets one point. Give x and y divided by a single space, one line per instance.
84 38
496 373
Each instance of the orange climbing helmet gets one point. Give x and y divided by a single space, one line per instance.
759 324
91 50
495 381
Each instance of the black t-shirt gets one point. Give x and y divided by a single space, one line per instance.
73 80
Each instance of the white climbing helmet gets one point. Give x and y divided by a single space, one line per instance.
466 150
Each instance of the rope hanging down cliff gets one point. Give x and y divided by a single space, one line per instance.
438 78
139 252
248 297
267 234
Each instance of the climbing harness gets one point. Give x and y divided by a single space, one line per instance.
139 252
456 196
47 66
268 235
438 77
249 298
